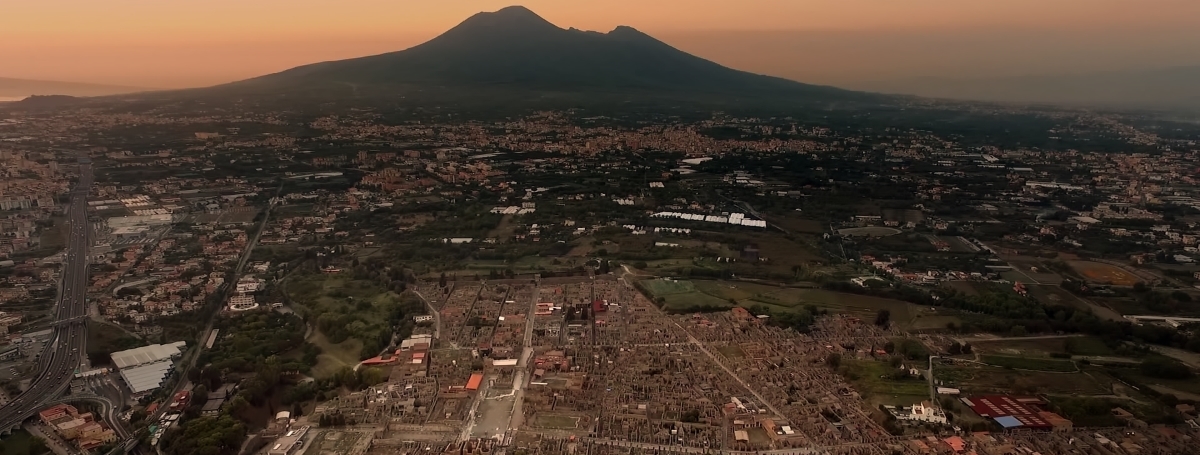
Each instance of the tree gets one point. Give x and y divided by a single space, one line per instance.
955 348
199 395
370 376
833 360
1018 331
37 446
882 318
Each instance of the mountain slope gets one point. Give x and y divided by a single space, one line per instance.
10 87
514 49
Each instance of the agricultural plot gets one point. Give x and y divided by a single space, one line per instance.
1045 347
1104 273
1029 363
981 379
873 379
869 231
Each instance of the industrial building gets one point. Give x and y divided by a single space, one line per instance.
145 368
1013 412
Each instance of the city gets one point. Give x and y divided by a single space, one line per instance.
262 276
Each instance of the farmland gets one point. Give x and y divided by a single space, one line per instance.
679 295
1029 363
1045 347
869 231
1104 273
974 378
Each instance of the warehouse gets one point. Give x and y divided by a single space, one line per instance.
145 368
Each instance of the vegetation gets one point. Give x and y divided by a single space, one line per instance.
355 307
1165 368
104 339
245 341
205 436
20 442
1029 363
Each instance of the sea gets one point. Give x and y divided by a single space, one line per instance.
11 98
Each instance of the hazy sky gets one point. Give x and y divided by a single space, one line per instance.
181 43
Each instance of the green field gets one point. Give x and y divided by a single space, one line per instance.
557 422
334 357
679 295
868 378
661 287
981 379
1029 363
1044 347
349 313
731 351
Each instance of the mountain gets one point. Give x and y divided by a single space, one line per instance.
11 88
513 50
1170 88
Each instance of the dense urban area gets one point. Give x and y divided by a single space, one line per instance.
273 281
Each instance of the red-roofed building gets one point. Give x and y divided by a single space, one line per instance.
475 381
956 443
1017 412
56 413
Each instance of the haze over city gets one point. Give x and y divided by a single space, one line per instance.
850 44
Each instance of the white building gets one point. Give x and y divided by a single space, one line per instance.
920 412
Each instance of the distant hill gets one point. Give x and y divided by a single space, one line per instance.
1171 88
514 51
25 87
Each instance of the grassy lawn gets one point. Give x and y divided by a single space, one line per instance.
733 290
681 302
759 437
1028 363
731 351
334 357
924 321
1087 346
558 422
664 287
981 379
1090 346
867 377
343 309
1188 389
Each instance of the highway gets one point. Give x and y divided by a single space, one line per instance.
64 351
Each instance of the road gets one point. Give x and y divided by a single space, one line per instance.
64 351
190 361
519 380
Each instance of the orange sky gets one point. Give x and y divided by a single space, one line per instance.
179 43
